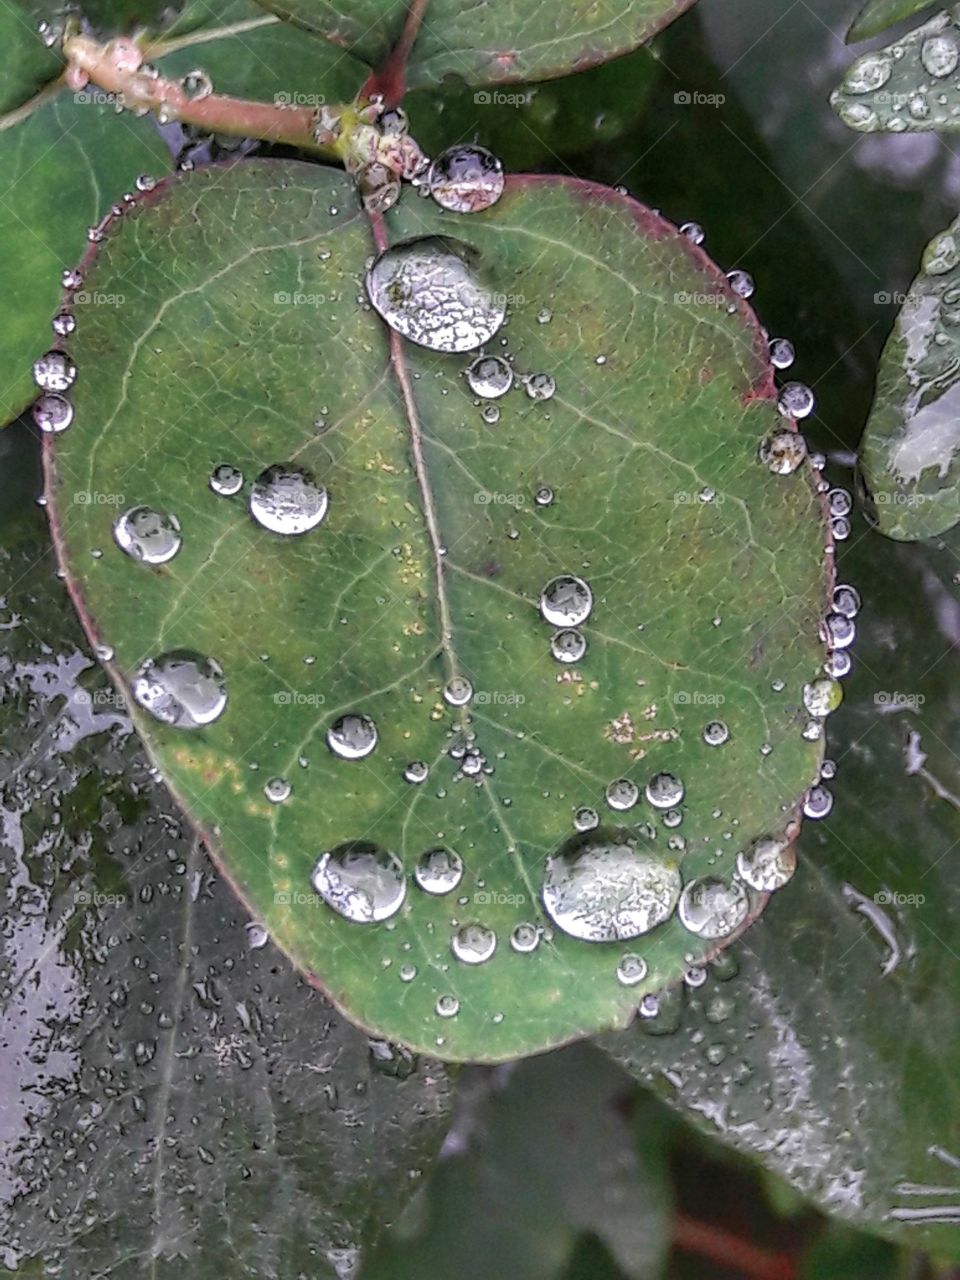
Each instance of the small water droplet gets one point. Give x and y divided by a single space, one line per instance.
543 496
869 73
52 413
473 944
286 499
197 85
438 870
631 969
540 386
818 802
622 794
361 882
767 865
839 502
408 972
181 688
489 377
352 737
782 353
416 771
152 537
54 371
525 938
277 790
568 645
664 791
821 697
566 601
716 733
711 908
841 631
695 976
64 324
795 400
466 179
783 451
846 600
838 664
693 231
939 55
257 935
586 819
447 1006
457 691
145 182
741 282
379 187
226 480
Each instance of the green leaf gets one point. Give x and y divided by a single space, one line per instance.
832 1056
60 170
27 65
484 44
173 1094
877 15
911 444
240 340
910 87
548 1158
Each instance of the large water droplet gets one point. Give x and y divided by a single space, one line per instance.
490 377
818 802
782 452
712 908
609 888
361 881
430 292
466 179
868 73
181 688
54 371
473 943
458 691
566 601
795 400
52 413
352 737
767 865
152 537
438 870
939 55
568 645
822 696
782 354
664 790
286 499
846 600
622 794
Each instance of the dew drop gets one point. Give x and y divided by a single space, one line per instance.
838 664
649 1006
767 865
491 414
543 496
457 691
277 790
869 73
716 733
438 870
361 882
839 502
631 969
473 944
693 231
52 413
782 353
711 908
257 935
939 55
197 85
840 528
818 802
795 400
286 499
622 794
741 282
447 1006
489 377
226 480
145 182
416 771
408 972
379 187
540 386
566 601
466 179
608 889
568 645
782 452
664 791
181 688
64 324
525 938
846 600
430 291
822 696
586 819
352 737
841 631
695 976
152 537
54 371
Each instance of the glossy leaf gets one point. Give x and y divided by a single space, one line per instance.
911 444
877 15
60 170
911 87
241 341
173 1093
27 64
831 1056
508 41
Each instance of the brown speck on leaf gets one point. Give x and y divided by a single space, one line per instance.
620 730
491 569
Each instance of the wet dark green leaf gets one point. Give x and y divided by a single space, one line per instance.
911 444
877 15
832 1056
707 571
174 1095
27 64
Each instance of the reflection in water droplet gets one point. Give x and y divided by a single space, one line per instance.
540 386
695 976
693 231
741 283
490 377
568 645
767 865
609 888
818 802
361 882
277 790
458 691
821 697
586 819
782 353
379 187
782 452
466 179
796 400
408 972
566 601
431 293
52 413
473 943
711 908
543 496
438 870
181 688
838 664
664 791
716 733
54 372
352 737
622 794
649 1006
149 536
939 55
841 630
868 73
286 499
448 1006
631 969
525 938
226 480
416 771
64 324
846 600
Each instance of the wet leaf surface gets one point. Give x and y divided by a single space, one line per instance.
877 15
174 1095
706 570
508 41
27 64
911 445
831 1055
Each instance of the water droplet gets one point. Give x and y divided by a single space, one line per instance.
607 889
586 819
568 645
566 601
438 870
52 413
379 187
104 652
257 935
352 737
840 528
631 969
716 733
362 882
525 938
473 943
544 315
812 731
782 354
181 688
54 371
767 865
458 691
491 414
795 400
664 791
490 377
145 182
783 451
841 631
543 496
466 179
71 278
622 794
197 85
394 122
540 386
695 976
839 502
226 480
277 790
858 115
286 499
846 600
818 802
64 324
693 231
838 664
152 537
430 292
447 1006
408 972
868 73
416 771
711 908
649 1006
741 282
939 55
822 696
